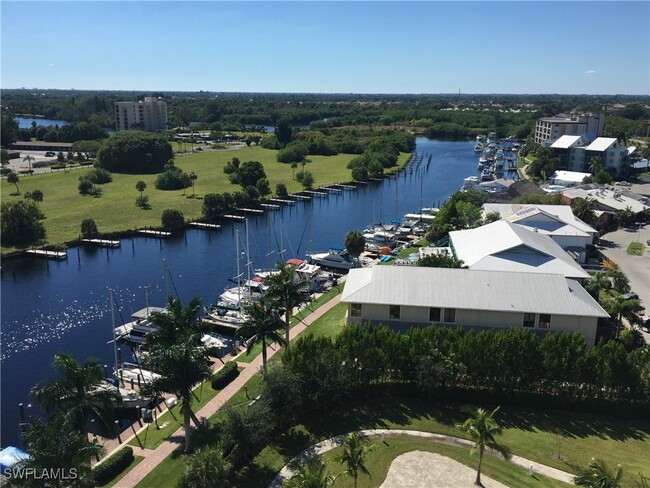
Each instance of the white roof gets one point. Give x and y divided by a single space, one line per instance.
601 144
572 176
548 219
613 199
503 245
470 290
565 142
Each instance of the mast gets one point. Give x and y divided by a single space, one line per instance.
281 243
112 300
248 255
166 279
238 272
146 299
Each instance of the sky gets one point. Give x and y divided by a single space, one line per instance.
328 47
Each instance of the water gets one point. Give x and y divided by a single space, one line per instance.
50 306
26 122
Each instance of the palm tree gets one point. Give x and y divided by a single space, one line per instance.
261 325
311 475
619 307
354 242
193 178
29 158
355 450
618 279
140 186
181 366
585 209
595 165
294 165
598 475
624 217
208 468
76 392
56 445
13 179
482 428
175 323
286 287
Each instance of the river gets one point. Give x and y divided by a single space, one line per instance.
52 306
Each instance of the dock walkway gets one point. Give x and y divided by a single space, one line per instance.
44 253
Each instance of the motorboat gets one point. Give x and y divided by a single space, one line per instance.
486 176
133 372
136 331
479 146
334 258
470 182
211 340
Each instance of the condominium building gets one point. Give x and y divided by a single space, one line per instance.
552 128
148 114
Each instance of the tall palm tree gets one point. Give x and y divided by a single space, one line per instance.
311 475
29 158
193 177
13 179
261 326
598 475
207 468
77 392
354 242
619 281
355 450
56 445
585 209
621 308
181 365
285 288
175 323
595 165
482 428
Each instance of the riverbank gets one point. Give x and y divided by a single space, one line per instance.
65 208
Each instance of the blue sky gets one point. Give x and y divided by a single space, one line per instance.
329 47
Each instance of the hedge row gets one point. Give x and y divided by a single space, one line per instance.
113 466
225 375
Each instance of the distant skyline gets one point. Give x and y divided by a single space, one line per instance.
328 47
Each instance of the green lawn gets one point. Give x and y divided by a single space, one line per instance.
635 248
167 473
380 458
65 208
134 463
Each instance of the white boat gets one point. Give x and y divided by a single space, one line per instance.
133 372
486 176
226 318
479 146
334 258
136 330
210 340
470 182
250 291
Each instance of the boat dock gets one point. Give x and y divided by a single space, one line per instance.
203 225
154 233
347 187
48 254
240 218
321 194
270 206
250 210
299 197
360 183
282 201
332 189
102 242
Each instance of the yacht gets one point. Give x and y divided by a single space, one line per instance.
470 182
136 331
334 258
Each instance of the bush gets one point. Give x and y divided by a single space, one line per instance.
85 186
172 220
142 201
89 229
113 466
225 375
173 179
281 190
99 176
134 151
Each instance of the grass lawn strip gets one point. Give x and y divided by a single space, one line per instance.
635 248
167 473
65 208
134 463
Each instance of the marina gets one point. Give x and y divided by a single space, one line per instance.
101 242
77 319
44 253
203 225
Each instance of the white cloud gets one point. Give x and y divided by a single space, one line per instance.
51 64
590 72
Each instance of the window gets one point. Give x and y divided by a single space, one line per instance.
450 315
544 321
393 312
355 310
529 320
434 315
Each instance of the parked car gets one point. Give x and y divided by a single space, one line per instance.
50 154
631 296
621 183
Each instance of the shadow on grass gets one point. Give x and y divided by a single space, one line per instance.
251 475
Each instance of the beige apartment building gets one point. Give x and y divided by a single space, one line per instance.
148 114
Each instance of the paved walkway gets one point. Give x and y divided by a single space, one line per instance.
333 442
155 457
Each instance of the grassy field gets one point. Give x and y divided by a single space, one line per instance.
65 208
635 248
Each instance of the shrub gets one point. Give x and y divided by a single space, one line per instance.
172 220
142 201
134 151
85 186
89 229
99 176
173 179
113 466
281 190
225 375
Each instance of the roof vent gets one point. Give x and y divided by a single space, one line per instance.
535 229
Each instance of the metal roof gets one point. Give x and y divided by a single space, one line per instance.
565 142
606 197
511 247
470 290
601 144
572 176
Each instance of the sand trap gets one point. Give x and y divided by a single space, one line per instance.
419 469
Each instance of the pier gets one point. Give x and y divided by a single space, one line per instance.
48 254
250 210
270 206
203 225
282 201
102 242
239 218
347 187
320 194
154 233
299 197
332 189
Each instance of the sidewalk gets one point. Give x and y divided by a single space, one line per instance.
155 457
333 442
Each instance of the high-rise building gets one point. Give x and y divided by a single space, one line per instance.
148 114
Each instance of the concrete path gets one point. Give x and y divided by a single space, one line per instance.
327 445
155 457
